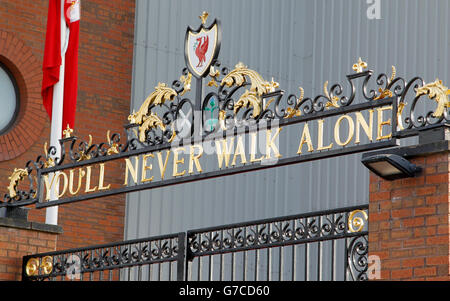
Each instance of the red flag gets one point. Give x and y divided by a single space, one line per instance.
52 58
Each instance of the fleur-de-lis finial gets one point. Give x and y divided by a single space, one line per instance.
67 132
359 66
204 16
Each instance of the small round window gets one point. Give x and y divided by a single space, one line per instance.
9 99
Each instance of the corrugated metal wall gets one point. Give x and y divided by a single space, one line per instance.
297 43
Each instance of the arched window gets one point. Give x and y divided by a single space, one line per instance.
9 99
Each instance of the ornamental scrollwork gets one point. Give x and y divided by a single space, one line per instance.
238 98
357 258
289 231
102 258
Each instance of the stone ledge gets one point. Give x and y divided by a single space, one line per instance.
23 224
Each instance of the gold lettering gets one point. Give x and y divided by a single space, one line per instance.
132 169
55 180
81 174
101 178
306 137
381 123
162 167
48 186
351 130
360 121
224 151
88 180
66 181
320 137
240 151
193 158
253 148
270 143
146 167
176 162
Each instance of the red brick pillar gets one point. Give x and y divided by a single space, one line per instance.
20 237
409 218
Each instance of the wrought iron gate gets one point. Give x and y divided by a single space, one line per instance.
325 245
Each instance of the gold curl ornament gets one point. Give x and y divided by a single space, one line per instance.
356 223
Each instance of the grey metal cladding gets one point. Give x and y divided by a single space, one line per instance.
298 43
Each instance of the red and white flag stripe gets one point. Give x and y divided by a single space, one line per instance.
53 58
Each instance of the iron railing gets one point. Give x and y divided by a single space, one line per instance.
325 245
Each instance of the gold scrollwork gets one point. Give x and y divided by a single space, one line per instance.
356 223
238 77
84 156
296 112
161 94
258 87
113 147
437 91
47 265
186 80
386 92
32 267
17 176
147 120
50 161
249 98
214 74
333 101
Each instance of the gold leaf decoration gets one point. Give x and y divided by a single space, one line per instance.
17 176
186 80
214 74
295 112
32 267
83 156
47 265
249 98
238 77
161 94
50 161
394 72
386 92
149 122
359 66
67 132
203 17
222 115
114 148
356 223
437 91
383 94
333 101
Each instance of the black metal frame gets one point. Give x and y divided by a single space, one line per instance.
243 121
187 250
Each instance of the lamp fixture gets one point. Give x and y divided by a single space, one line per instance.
390 166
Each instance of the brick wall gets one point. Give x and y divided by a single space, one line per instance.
20 238
104 90
409 222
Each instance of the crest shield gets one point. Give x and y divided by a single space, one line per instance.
202 48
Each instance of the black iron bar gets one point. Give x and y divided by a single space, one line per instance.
238 239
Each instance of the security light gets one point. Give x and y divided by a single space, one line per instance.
390 166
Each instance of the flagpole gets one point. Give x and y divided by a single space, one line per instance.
51 214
